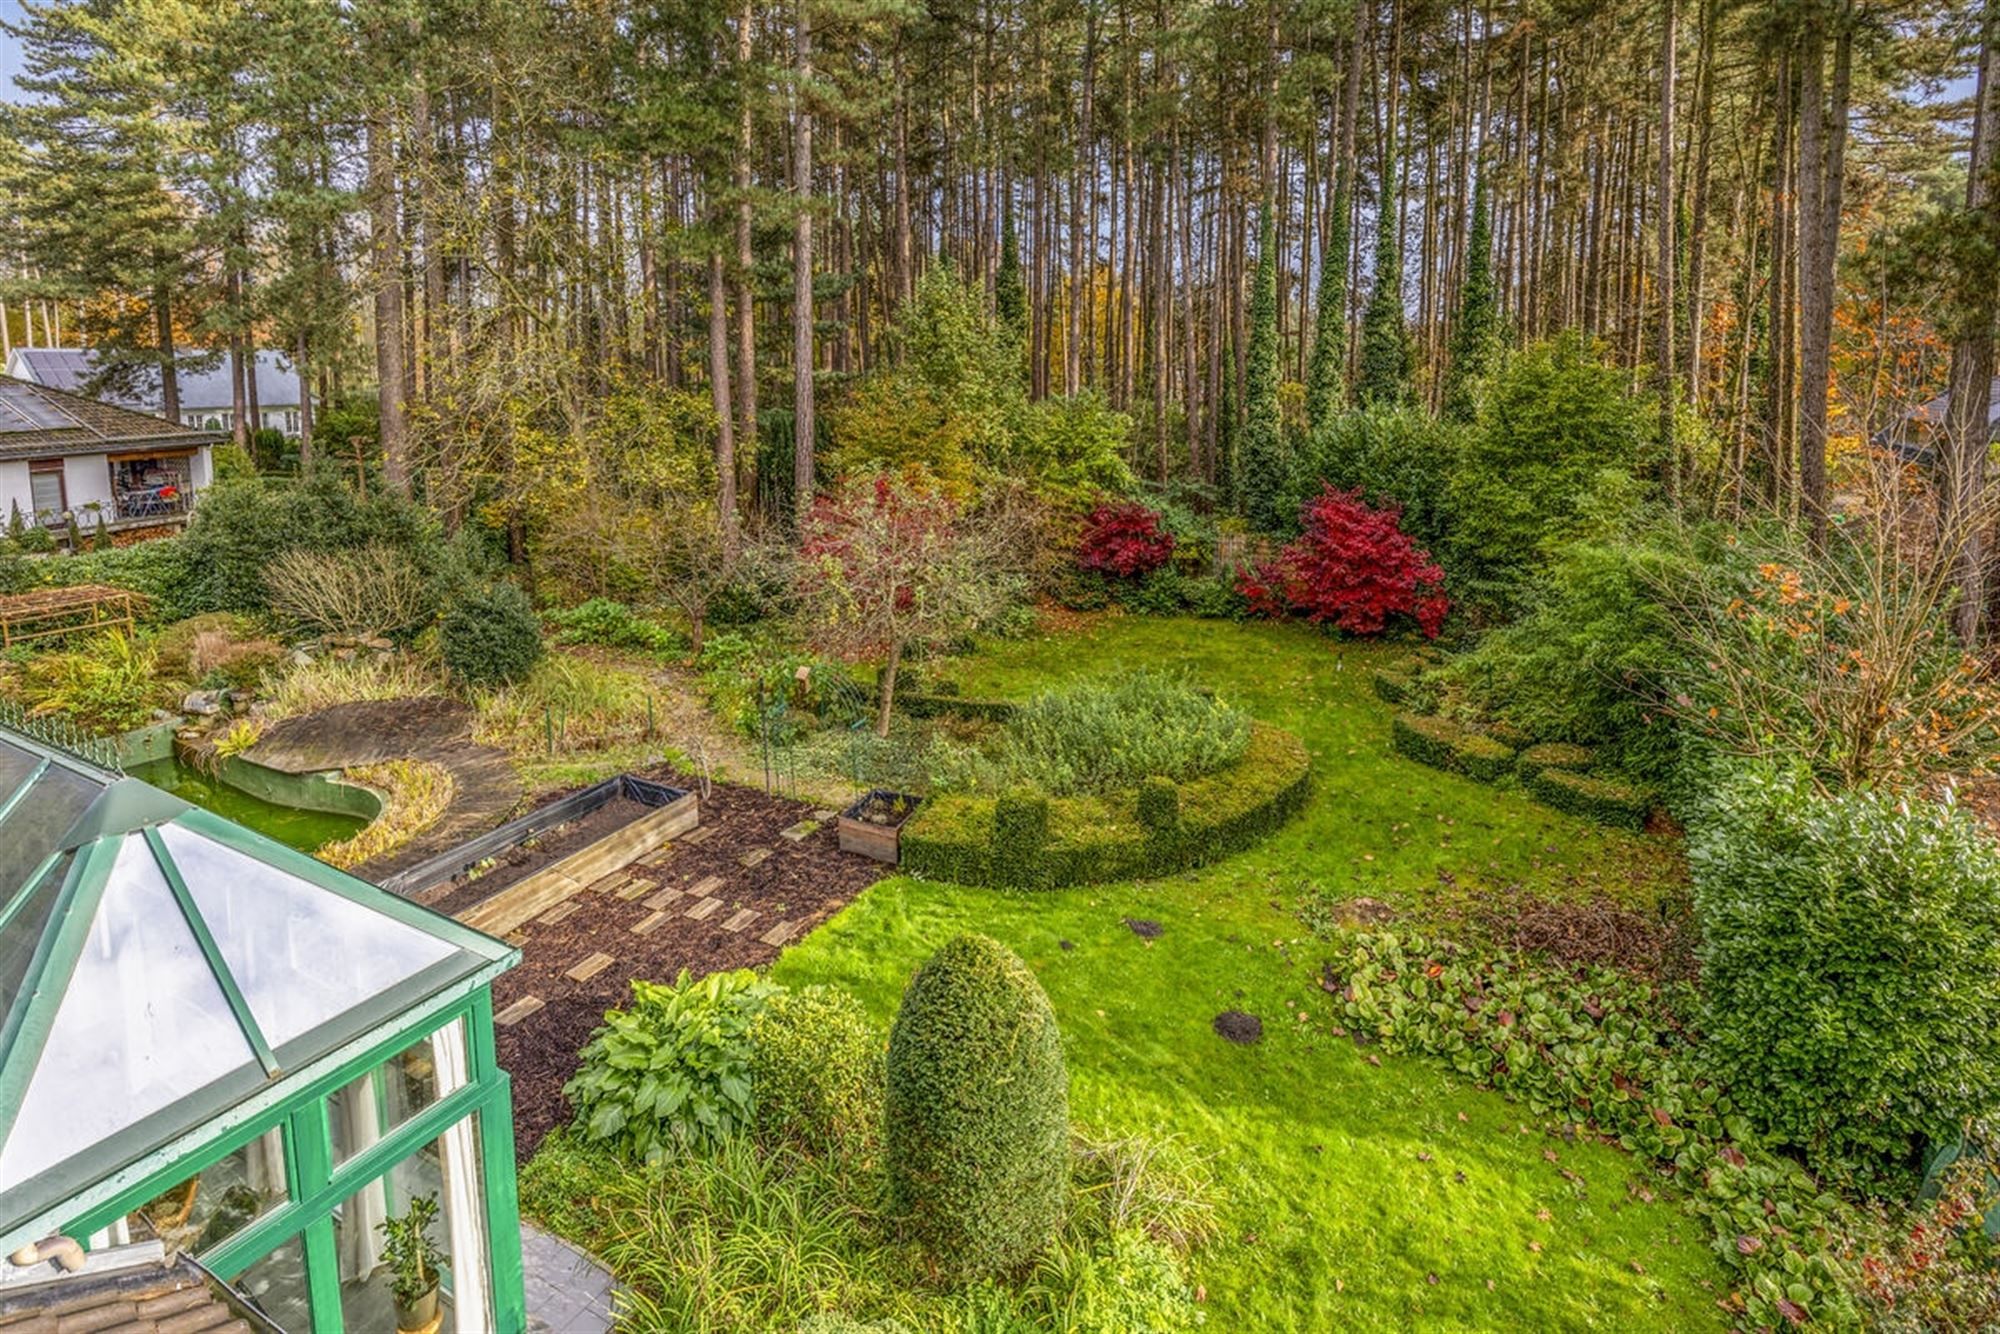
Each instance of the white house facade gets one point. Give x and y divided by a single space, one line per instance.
65 456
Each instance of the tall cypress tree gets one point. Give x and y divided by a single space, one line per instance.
1385 346
1227 473
1326 377
1263 453
1477 332
1010 294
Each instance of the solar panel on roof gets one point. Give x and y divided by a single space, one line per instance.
22 409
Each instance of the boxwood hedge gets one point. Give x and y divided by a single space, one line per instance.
1029 841
1612 801
1555 755
1444 744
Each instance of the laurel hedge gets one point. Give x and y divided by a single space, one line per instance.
1026 840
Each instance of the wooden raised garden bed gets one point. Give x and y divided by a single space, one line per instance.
873 825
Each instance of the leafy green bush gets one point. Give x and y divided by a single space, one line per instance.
160 569
816 1072
1599 797
1392 456
490 636
1555 415
1132 1282
976 1128
673 1070
1482 757
1851 968
613 625
1098 736
1591 659
1426 740
240 527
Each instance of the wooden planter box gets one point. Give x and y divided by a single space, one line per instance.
876 838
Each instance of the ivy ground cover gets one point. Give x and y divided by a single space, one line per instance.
1363 1191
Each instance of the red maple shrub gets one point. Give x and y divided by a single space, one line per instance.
1353 566
1124 538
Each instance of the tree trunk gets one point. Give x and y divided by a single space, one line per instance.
1972 355
885 689
1665 277
163 334
802 275
386 252
746 292
718 383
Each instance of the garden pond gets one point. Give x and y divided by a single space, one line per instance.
291 825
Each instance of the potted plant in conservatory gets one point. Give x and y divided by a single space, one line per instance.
873 825
413 1260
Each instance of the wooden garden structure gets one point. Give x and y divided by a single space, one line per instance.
49 613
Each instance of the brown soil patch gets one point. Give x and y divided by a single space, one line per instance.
518 863
798 885
1599 931
1144 929
1238 1027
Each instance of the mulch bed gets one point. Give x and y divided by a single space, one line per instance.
800 883
1598 931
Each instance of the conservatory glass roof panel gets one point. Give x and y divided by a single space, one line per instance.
37 817
142 1025
26 919
299 954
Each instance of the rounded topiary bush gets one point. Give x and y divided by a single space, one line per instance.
491 636
816 1072
976 1125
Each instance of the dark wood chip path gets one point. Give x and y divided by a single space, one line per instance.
485 788
693 905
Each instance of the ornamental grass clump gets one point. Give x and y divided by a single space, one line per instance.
976 1127
1102 736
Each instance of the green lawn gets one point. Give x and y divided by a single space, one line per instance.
1359 1196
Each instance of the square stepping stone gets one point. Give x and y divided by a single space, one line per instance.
755 857
648 924
663 898
705 887
825 814
780 933
704 910
741 918
698 835
589 966
635 888
560 911
516 938
799 832
657 859
518 1011
607 884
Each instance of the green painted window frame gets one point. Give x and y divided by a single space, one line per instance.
315 1187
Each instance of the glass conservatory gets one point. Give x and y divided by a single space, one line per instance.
271 1066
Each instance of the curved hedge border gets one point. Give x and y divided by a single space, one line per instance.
1552 772
1026 840
954 706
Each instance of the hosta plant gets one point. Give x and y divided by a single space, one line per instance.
673 1070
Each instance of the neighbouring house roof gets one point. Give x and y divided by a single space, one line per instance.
72 368
122 1290
161 966
37 421
1912 435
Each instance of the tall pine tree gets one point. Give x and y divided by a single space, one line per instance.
1326 377
1385 346
1263 452
1476 333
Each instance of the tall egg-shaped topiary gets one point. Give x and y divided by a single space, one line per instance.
976 1128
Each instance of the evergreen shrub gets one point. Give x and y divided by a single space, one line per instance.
976 1123
816 1072
1608 800
491 636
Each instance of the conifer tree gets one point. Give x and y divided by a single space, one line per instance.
1010 294
1385 346
1262 457
1477 331
1226 469
1326 377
